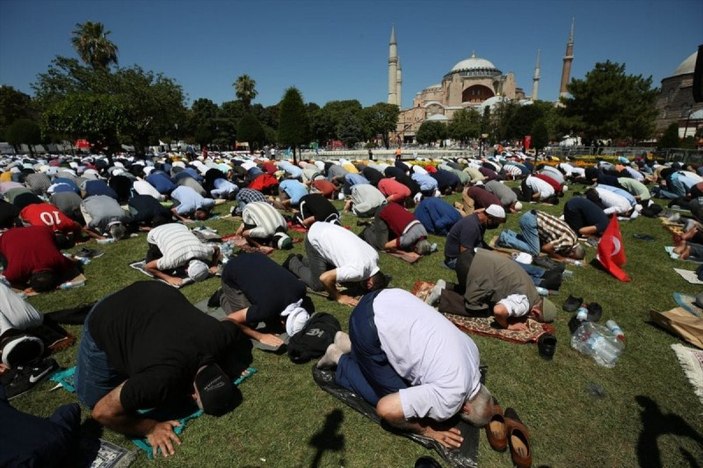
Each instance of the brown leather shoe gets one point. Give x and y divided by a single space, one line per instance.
518 439
496 431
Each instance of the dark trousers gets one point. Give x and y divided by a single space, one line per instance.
366 370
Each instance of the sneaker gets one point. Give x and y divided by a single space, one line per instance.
433 297
22 379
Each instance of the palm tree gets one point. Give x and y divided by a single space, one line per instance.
245 90
94 48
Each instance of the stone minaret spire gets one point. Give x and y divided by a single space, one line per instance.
535 79
568 58
399 86
393 69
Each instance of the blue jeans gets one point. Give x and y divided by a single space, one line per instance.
527 240
536 273
94 377
366 370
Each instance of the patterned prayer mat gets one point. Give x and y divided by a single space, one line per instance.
485 325
691 361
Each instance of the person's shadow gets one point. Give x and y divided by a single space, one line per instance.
327 438
656 423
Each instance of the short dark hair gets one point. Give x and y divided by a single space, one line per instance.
378 281
42 281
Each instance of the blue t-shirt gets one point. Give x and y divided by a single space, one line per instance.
161 182
294 189
580 212
98 187
436 215
468 232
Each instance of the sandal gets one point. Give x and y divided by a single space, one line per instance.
496 429
518 439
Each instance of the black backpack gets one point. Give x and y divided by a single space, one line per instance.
312 341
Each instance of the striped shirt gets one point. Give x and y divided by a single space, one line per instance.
555 231
265 219
178 246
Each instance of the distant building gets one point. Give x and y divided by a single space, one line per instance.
675 102
474 82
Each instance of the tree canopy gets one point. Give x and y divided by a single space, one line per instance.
93 47
294 124
465 125
381 119
430 132
245 90
608 103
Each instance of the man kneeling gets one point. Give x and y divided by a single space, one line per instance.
412 364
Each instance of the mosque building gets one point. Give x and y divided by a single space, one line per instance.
675 101
474 82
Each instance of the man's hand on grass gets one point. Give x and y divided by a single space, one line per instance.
161 437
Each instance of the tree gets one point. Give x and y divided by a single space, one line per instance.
670 138
251 130
14 105
610 104
245 89
465 125
294 124
93 47
430 132
381 119
24 131
540 135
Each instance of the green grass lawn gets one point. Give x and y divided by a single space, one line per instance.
646 414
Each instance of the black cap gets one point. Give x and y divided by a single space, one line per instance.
216 390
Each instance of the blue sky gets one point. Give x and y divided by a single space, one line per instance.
339 49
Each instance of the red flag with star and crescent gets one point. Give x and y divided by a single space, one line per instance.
611 251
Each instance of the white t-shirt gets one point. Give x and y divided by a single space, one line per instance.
538 185
15 312
355 259
613 202
178 246
440 362
142 187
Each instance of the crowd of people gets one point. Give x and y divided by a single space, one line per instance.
394 354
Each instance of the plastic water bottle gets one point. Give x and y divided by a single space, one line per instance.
582 313
580 340
615 330
542 291
606 350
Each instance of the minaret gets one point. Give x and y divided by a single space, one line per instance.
393 69
535 79
399 86
568 58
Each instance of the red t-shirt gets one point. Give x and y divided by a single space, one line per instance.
325 187
269 167
46 214
482 198
31 249
397 218
390 187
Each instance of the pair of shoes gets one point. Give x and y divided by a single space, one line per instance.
595 312
551 280
518 439
22 379
546 262
496 431
572 303
433 297
547 346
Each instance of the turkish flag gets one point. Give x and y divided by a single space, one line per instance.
611 251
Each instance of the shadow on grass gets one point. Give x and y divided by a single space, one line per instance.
327 438
655 424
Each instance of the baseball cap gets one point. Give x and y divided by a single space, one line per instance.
21 349
216 390
198 270
496 211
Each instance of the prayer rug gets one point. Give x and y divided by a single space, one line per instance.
670 250
485 325
688 275
691 361
465 456
65 380
140 266
103 454
687 302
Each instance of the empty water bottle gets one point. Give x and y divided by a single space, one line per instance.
542 291
615 330
581 337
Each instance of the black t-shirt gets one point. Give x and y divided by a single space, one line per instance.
269 287
580 212
145 208
157 340
8 214
373 175
316 205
